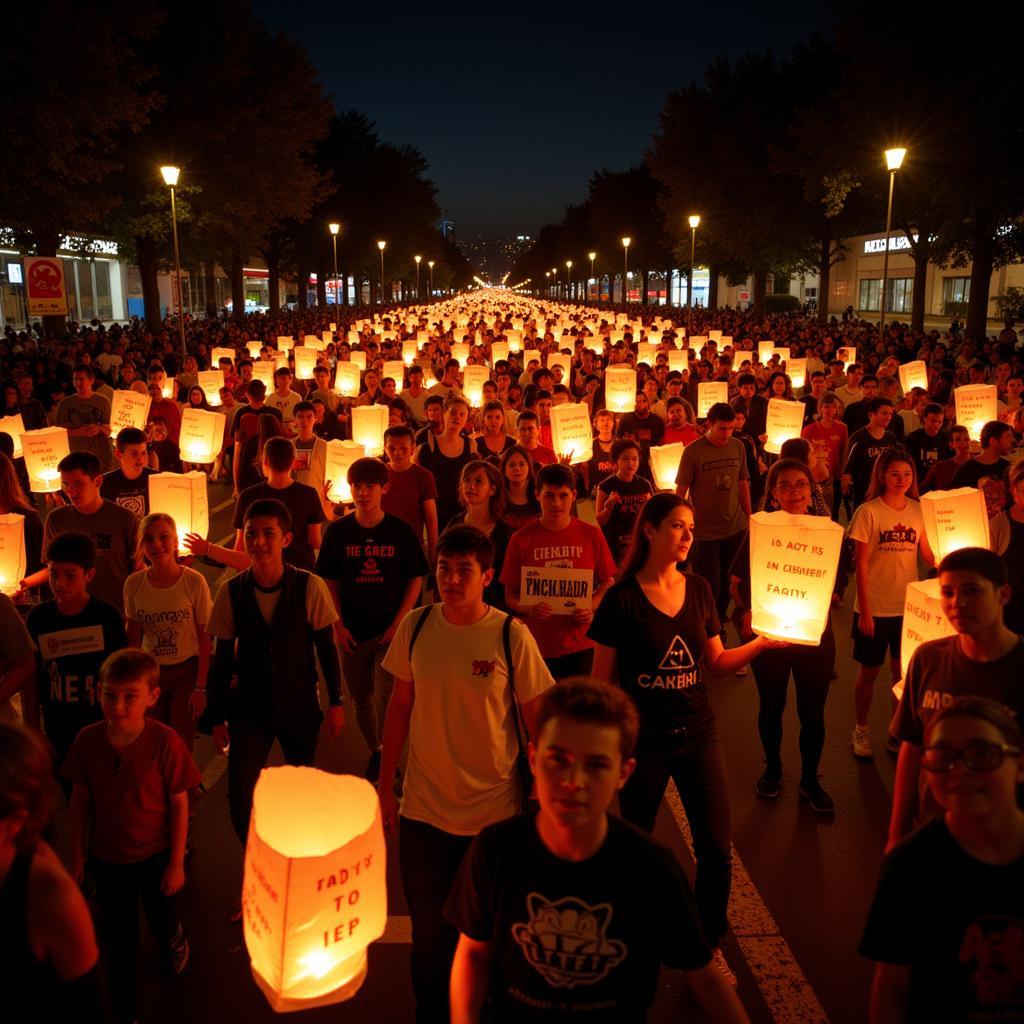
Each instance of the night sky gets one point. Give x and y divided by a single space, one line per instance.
515 105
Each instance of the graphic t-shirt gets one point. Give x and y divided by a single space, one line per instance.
618 530
892 538
407 490
371 567
713 474
659 656
306 510
74 412
860 459
578 546
972 472
284 404
828 441
310 462
956 922
130 494
927 450
577 941
169 616
600 465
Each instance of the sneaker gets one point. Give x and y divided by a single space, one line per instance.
718 959
176 953
768 785
372 773
861 742
820 802
892 744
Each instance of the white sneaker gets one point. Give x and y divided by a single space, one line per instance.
861 742
718 959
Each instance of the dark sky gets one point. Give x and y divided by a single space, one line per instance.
516 104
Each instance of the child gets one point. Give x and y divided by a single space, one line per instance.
621 496
537 884
164 447
72 635
131 777
412 491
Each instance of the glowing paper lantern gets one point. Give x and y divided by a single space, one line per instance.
410 350
515 341
42 450
311 341
955 519
975 406
646 353
13 563
765 350
460 352
264 371
784 420
346 379
709 393
783 354
254 348
620 389
183 497
202 435
847 355
923 619
571 432
473 380
368 425
714 336
914 375
726 339
15 425
793 561
334 328
395 369
327 337
698 341
358 358
678 360
211 381
665 463
220 353
338 456
168 389
305 361
565 362
285 343
529 356
281 361
499 351
797 372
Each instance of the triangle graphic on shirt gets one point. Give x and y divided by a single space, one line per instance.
677 657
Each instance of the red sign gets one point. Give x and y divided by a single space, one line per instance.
44 283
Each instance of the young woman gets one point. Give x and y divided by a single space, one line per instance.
779 387
492 442
620 498
888 530
167 607
445 455
799 448
655 631
944 951
196 399
789 489
601 464
520 500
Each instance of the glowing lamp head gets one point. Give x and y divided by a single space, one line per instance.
694 220
381 245
334 228
170 175
894 158
591 256
626 241
568 264
430 263
417 259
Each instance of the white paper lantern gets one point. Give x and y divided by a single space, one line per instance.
395 369
314 894
678 360
698 341
473 380
955 519
346 379
665 460
183 497
285 343
571 432
726 339
784 420
515 341
15 426
499 351
923 620
311 341
263 370
783 354
281 361
169 388
338 456
326 338
202 435
793 561
460 351
765 351
334 328
220 353
359 359
796 369
975 406
620 389
914 375
529 356
305 362
43 449
254 348
714 336
847 355
211 381
368 425
709 393
410 350
13 562
128 409
646 353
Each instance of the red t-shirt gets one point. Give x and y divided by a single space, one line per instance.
578 546
687 434
407 490
542 456
130 790
832 438
169 411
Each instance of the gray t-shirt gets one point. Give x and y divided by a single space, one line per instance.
712 473
80 412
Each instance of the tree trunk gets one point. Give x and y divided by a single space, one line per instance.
760 289
302 300
145 251
210 284
273 258
645 298
922 254
321 287
824 277
237 289
712 288
981 276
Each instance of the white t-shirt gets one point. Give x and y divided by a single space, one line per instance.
285 405
320 610
169 616
893 539
462 742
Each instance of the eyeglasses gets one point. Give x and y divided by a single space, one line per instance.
977 757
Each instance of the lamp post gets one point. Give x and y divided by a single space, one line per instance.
430 266
568 279
625 265
334 229
893 161
417 259
170 175
547 275
381 245
694 224
592 256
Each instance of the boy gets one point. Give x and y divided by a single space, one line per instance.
458 668
373 564
929 444
528 429
621 496
310 450
864 447
72 635
412 491
554 908
284 399
131 776
128 485
86 416
561 540
940 476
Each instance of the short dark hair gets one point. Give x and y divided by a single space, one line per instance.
979 560
403 430
466 540
270 508
993 431
256 388
623 444
303 407
86 369
592 702
555 475
746 378
279 453
721 412
77 548
131 665
931 409
877 403
433 400
368 471
85 461
127 436
528 416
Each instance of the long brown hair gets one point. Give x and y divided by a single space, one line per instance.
11 494
655 511
496 502
888 458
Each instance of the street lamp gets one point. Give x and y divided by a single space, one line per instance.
592 256
417 259
893 161
381 245
547 274
430 265
170 175
625 265
568 279
335 228
694 224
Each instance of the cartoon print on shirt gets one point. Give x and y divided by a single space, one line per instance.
677 656
992 952
566 942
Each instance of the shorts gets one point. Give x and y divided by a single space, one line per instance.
869 651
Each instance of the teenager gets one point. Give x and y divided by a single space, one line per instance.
492 442
412 490
940 475
865 446
128 485
520 505
445 455
929 444
621 496
996 444
86 416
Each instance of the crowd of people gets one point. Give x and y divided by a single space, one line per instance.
515 657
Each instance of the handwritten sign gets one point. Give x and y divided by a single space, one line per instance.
201 436
305 361
13 563
571 432
211 381
220 353
975 406
914 375
620 389
128 409
338 456
783 421
923 619
797 371
955 519
183 497
473 380
564 590
43 450
395 369
709 393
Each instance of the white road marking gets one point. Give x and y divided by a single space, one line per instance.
223 505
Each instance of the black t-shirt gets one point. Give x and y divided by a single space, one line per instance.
576 941
130 494
646 430
957 923
927 450
618 530
302 502
659 656
372 568
446 472
600 464
863 450
972 472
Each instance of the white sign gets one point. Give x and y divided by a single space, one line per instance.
128 409
571 432
201 436
783 421
709 393
620 389
564 590
15 426
975 406
897 243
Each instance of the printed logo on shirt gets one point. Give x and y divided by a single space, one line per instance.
676 671
566 942
66 643
677 656
103 541
483 668
992 953
899 534
135 503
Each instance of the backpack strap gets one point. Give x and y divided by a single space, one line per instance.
420 623
517 714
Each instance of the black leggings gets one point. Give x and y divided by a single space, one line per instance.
811 668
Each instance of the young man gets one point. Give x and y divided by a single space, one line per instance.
322 388
940 476
753 404
558 540
373 564
812 401
528 429
983 659
829 437
850 391
996 444
459 668
310 450
284 399
553 908
86 416
644 427
412 491
930 443
166 408
855 415
128 485
247 426
272 622
414 395
864 447
433 412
